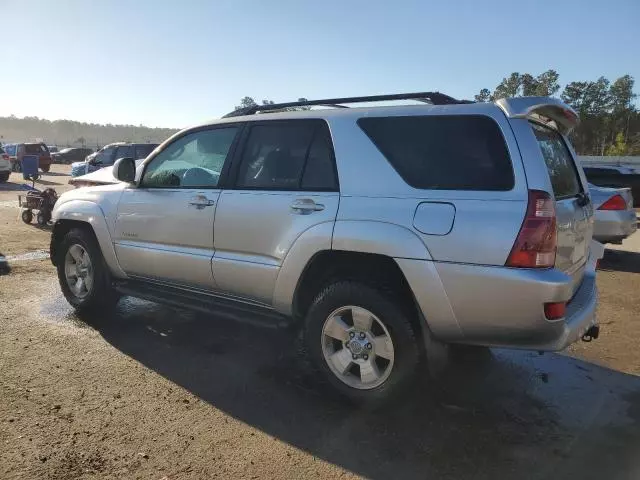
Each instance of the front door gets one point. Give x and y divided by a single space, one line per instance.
164 226
285 184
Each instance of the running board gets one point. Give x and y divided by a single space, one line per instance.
238 310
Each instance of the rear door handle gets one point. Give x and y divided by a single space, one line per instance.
200 201
305 206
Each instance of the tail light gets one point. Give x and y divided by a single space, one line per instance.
614 203
535 246
555 310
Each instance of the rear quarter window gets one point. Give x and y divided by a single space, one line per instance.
463 152
562 171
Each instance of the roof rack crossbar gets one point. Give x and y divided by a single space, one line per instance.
435 98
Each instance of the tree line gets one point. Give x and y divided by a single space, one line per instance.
609 118
71 133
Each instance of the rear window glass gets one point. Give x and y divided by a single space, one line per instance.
562 170
34 149
10 149
464 152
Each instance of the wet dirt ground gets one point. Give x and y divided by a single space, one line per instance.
151 392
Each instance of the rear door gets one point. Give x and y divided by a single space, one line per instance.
286 183
573 208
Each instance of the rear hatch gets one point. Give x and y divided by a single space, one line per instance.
574 211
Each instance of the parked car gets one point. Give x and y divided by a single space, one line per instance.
386 232
108 154
615 176
615 218
5 165
11 149
18 150
70 155
104 176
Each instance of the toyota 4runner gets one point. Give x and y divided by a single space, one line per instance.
388 233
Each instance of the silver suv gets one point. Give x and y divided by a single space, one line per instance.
388 233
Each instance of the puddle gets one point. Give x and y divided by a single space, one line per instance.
36 255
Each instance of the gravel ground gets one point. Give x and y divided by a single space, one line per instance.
150 392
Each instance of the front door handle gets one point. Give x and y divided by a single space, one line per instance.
200 201
305 206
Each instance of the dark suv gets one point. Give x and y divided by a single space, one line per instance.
108 154
70 155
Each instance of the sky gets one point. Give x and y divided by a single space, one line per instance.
174 63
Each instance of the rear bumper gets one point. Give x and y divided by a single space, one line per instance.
614 225
504 307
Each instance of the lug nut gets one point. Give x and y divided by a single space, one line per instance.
366 357
362 335
351 334
369 346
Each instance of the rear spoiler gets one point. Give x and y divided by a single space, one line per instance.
550 111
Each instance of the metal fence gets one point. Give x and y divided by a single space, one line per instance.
609 160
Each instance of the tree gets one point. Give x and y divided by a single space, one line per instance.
605 109
518 85
619 148
546 84
483 96
509 87
246 102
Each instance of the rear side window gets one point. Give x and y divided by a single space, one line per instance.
143 150
464 152
294 155
124 151
562 170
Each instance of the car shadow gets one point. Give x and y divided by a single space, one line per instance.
40 181
13 186
502 415
620 261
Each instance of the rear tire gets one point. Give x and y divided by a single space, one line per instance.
366 366
83 274
4 176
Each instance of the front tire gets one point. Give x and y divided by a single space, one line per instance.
362 342
27 216
42 219
82 272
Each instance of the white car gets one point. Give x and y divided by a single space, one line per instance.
5 165
615 218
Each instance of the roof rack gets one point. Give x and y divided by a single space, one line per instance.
434 98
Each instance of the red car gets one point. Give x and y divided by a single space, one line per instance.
17 151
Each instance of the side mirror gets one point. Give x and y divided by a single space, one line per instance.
125 169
